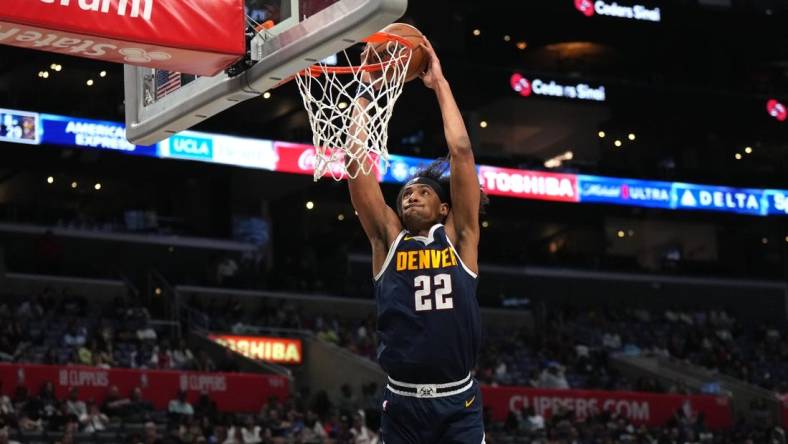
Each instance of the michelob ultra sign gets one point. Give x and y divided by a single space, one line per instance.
260 348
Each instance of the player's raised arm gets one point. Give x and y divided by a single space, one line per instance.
379 221
463 219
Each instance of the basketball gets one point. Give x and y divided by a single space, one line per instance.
419 57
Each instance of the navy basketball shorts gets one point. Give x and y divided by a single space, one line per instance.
432 413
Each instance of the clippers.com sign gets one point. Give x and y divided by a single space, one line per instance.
634 12
196 37
551 88
259 348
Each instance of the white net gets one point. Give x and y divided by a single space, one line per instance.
350 108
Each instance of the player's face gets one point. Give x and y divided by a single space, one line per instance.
421 207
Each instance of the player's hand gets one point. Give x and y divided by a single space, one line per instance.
368 57
434 73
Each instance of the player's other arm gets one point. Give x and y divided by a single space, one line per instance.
463 220
378 220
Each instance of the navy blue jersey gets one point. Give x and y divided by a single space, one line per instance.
428 316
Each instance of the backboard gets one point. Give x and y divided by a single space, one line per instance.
160 103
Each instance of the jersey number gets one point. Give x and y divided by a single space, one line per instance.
442 285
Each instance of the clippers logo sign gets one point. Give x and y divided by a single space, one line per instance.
135 8
634 12
777 110
540 87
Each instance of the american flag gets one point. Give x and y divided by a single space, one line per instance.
166 82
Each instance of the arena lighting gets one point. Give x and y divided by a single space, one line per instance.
341 217
157 291
342 105
103 74
764 241
485 224
267 95
786 238
89 82
748 150
601 134
617 143
522 45
310 205
507 38
97 186
477 32
631 136
738 156
483 124
73 185
620 233
50 180
558 160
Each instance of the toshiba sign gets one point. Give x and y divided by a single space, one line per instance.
613 9
528 184
277 350
551 88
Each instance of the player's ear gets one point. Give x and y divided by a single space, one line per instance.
444 211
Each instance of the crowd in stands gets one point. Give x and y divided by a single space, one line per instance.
63 328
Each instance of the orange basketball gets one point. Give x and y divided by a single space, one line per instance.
419 57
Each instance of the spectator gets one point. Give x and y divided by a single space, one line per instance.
182 357
151 434
137 409
251 432
73 405
553 377
75 335
204 363
114 405
360 433
94 420
4 439
180 406
346 402
313 431
205 407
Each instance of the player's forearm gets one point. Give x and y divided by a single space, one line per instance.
453 125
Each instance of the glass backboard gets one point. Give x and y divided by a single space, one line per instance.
292 35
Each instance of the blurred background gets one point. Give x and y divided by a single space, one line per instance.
114 260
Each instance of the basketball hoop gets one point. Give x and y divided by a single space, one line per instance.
345 130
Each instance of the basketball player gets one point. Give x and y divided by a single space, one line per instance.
424 263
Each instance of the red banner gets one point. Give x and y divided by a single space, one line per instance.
233 392
195 36
277 350
300 158
526 184
641 408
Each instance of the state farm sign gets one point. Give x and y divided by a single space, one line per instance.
632 12
580 91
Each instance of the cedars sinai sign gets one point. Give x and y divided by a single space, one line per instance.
629 11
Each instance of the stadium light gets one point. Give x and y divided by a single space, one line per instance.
748 150
601 134
310 205
617 143
50 180
631 136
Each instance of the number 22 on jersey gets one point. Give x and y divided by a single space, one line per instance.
441 284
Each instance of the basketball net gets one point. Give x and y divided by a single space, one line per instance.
350 107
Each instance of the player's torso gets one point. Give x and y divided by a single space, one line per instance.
428 315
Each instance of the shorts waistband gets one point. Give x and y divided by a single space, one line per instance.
430 390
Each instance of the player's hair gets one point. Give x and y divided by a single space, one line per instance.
437 170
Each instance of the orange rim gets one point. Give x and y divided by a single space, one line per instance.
378 37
